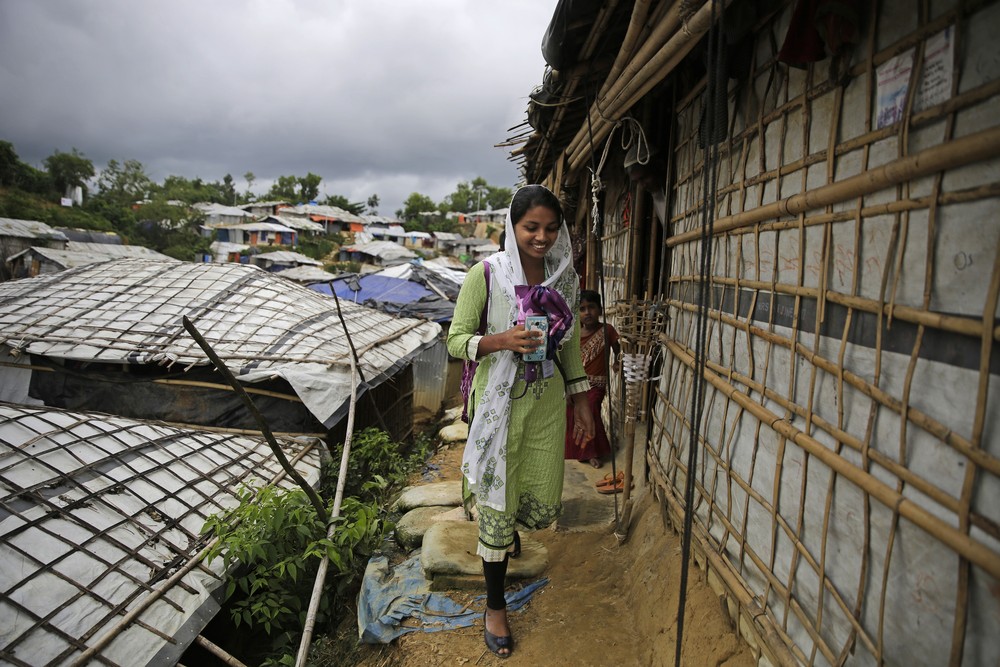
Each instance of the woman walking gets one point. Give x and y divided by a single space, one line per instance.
513 461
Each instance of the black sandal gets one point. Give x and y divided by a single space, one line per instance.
516 551
497 644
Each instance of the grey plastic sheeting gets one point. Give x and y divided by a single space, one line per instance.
390 596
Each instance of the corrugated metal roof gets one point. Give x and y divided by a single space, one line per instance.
129 312
98 515
31 229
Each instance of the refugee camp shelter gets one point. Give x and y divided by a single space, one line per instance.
333 218
18 235
380 253
307 274
396 296
100 532
279 260
304 226
40 260
256 233
109 337
791 211
264 208
439 279
218 215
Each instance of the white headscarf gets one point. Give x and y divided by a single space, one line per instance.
484 462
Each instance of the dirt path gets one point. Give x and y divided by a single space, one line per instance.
605 603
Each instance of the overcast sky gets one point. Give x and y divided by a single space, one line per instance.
382 97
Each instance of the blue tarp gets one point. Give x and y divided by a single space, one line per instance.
375 288
390 597
395 296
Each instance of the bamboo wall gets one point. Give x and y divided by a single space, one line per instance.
849 467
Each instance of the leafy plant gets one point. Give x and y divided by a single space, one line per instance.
375 455
272 544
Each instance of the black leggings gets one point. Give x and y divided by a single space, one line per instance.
495 574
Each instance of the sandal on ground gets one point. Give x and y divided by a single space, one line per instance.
608 489
497 644
595 462
611 481
516 551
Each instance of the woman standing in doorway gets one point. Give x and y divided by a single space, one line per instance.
513 460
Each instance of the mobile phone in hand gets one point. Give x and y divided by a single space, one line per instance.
537 323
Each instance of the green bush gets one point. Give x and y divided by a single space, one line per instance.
272 544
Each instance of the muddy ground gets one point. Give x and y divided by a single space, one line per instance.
606 603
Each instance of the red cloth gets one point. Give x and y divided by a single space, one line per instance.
819 28
597 448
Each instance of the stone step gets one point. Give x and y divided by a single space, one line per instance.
429 495
411 526
449 557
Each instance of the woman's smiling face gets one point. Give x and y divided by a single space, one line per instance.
536 232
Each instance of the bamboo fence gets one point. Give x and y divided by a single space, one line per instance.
848 484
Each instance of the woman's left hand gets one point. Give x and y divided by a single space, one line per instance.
583 421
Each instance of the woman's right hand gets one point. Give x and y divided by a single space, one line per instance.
516 339
520 341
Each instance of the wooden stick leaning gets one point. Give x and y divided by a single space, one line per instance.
265 430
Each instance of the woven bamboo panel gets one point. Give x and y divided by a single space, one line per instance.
849 463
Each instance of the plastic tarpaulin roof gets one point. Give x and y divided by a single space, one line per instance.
101 516
375 287
262 326
399 297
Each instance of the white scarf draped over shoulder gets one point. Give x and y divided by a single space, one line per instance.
484 462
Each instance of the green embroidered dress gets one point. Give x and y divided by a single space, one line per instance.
536 431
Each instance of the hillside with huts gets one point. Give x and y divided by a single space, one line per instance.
123 438
790 209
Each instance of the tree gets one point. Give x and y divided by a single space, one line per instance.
10 164
309 187
124 183
228 190
477 195
416 204
497 198
373 204
296 188
249 178
340 201
69 170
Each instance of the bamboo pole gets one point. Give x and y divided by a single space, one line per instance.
265 430
974 551
324 564
142 605
948 436
218 652
777 649
966 150
661 44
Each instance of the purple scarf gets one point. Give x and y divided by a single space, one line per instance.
541 300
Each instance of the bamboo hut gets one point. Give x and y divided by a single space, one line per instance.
823 235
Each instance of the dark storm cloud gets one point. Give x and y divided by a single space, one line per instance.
375 96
